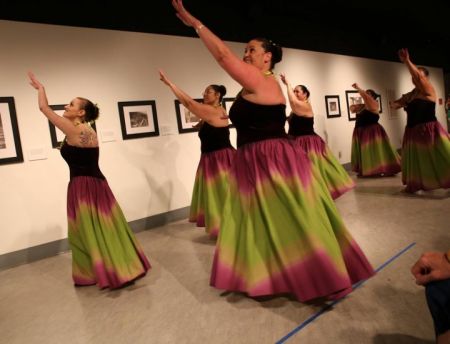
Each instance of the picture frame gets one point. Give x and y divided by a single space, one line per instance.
56 135
380 105
138 119
353 98
10 145
226 103
186 120
333 106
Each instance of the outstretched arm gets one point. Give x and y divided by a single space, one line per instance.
300 108
61 123
420 80
402 101
204 111
370 103
246 75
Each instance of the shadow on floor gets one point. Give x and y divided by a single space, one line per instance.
398 192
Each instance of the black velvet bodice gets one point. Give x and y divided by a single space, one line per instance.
214 138
256 122
366 118
82 161
300 126
420 111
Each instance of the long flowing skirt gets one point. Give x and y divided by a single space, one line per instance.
333 173
210 188
281 231
197 208
426 157
372 153
104 249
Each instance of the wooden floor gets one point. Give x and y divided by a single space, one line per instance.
174 303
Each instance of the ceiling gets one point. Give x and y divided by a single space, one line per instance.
373 29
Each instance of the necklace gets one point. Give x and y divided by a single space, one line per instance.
268 72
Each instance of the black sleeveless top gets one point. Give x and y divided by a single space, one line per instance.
256 122
366 118
214 138
82 161
300 126
420 111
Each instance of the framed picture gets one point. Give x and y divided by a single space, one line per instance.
333 106
138 119
353 98
186 120
226 103
56 135
10 146
380 106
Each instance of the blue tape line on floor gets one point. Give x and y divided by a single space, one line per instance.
327 307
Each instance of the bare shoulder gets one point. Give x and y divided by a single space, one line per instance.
270 93
87 136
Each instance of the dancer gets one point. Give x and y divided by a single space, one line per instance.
372 153
281 232
301 128
104 249
426 145
212 177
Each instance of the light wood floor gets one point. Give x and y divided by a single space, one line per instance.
174 303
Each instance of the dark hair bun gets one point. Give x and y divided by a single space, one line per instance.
222 90
91 109
277 53
271 47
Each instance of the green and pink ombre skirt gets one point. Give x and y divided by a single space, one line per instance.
282 232
426 157
372 153
210 189
333 173
104 249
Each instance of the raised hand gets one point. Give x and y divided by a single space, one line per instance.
403 54
34 82
163 78
182 14
283 78
355 86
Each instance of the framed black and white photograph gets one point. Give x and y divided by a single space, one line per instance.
10 146
353 98
138 119
56 135
333 106
186 120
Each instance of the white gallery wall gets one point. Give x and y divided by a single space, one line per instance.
148 175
